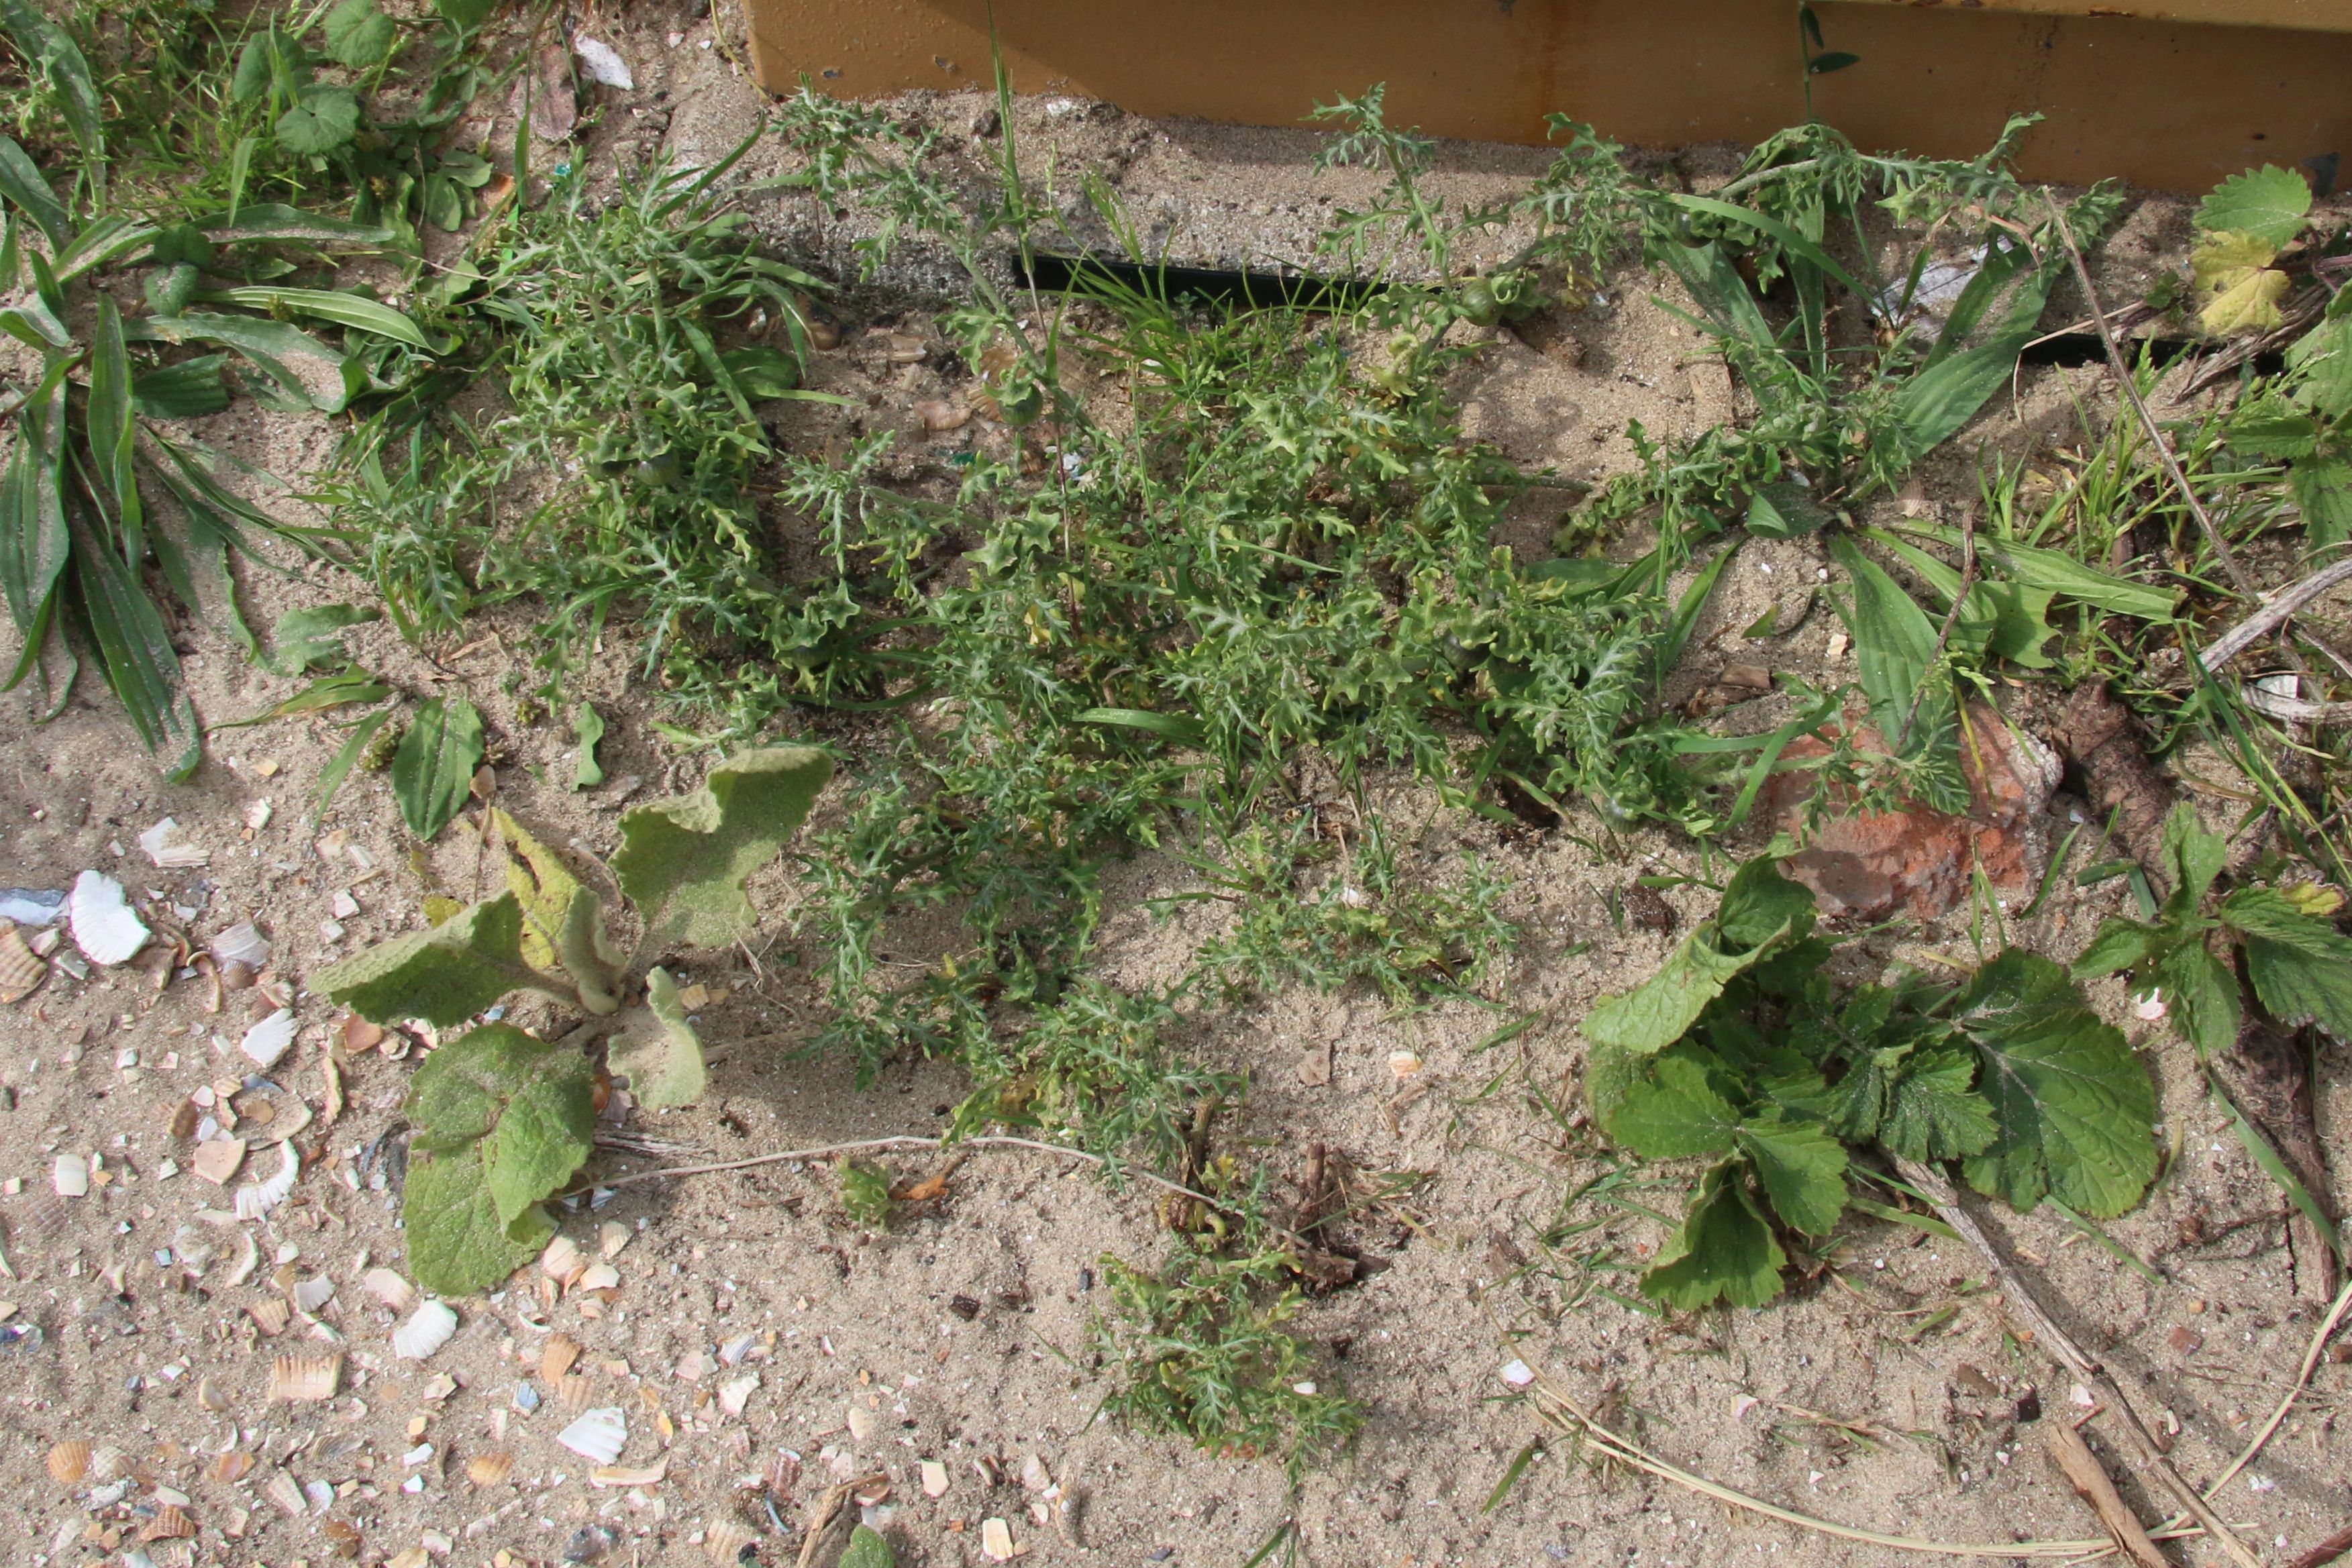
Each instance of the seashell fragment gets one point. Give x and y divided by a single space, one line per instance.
487 1469
70 1176
104 928
427 1329
573 1392
254 1200
562 1260
861 1423
556 1358
287 1492
611 1237
171 1522
21 969
386 1286
270 1316
734 1395
217 1160
69 1460
935 1478
996 1539
599 1277
727 1541
305 1379
312 1293
108 1463
209 1395
267 1041
597 1436
167 845
242 944
628 1474
232 1467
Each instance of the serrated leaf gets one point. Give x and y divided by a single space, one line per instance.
433 771
322 120
866 1549
457 1242
1657 1012
1723 1248
358 35
2075 1110
1762 908
684 860
303 640
1932 1113
444 975
658 1048
2120 944
2202 993
2301 968
525 1108
864 1193
563 921
1800 1167
1671 1113
2195 858
588 727
2321 360
2269 203
468 15
2235 287
2321 485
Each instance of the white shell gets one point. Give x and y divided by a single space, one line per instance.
734 1394
562 1260
267 1041
168 847
70 1176
314 1292
599 1277
389 1288
598 1436
104 928
287 1492
242 944
601 64
256 1199
426 1331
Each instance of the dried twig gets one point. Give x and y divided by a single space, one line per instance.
2221 550
2082 1472
2326 1551
828 1509
2061 1345
2273 615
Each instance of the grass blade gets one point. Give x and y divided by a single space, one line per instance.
339 766
2258 1148
1527 1457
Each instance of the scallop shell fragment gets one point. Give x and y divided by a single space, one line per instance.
287 1492
727 1540
562 1260
104 928
167 845
312 1293
305 1379
217 1160
21 969
387 1286
70 1176
232 1467
172 1523
556 1358
242 944
599 1277
996 1539
69 1460
256 1199
267 1041
573 1392
270 1316
487 1469
427 1329
597 1436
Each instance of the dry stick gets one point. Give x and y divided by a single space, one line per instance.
827 1509
2061 1346
2221 551
2326 1551
2273 615
2091 1483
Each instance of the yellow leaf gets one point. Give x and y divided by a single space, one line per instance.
439 907
2238 288
2314 899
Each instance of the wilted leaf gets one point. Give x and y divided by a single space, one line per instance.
563 922
2236 289
659 1050
684 860
433 771
444 975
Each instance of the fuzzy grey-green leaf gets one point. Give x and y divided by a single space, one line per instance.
684 860
658 1048
444 975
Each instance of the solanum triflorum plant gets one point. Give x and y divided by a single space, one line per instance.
504 1120
1743 1051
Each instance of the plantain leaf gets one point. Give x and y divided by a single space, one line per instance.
343 308
433 771
135 647
22 183
189 390
684 860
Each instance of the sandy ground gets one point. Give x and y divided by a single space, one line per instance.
1883 1392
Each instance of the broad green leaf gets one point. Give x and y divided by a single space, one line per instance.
866 1549
2235 288
341 689
1673 1113
345 310
525 1107
2301 968
2119 945
433 771
2010 620
2062 574
135 651
1800 1167
2321 360
457 1242
563 922
2194 857
322 120
2269 203
107 425
358 35
2201 992
761 373
684 860
280 350
1933 1114
52 51
304 639
1762 908
1893 639
258 221
2272 427
588 724
658 1048
267 59
1724 1249
2075 1110
1657 1012
22 183
444 975
189 390
2321 485
1176 728
466 15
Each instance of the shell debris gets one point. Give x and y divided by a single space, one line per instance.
218 1160
733 1396
312 1293
305 1379
69 1460
232 1467
285 1491
21 969
489 1468
256 1199
172 1523
166 843
387 1286
726 1541
104 928
556 1358
935 1478
270 1316
573 1392
561 1261
267 1041
427 1329
611 1237
996 1539
598 1277
70 1176
597 1436
242 944
628 1474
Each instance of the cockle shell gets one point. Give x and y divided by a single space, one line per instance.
305 1379
21 969
489 1468
427 1329
597 1436
104 928
312 1293
727 1540
69 1460
387 1286
287 1492
242 944
167 845
562 1260
556 1358
270 1316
